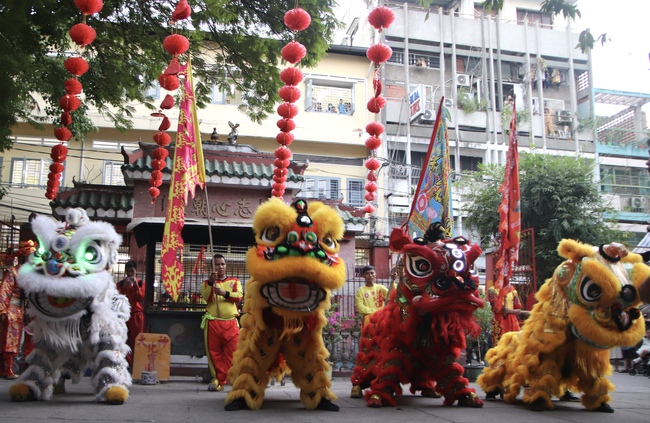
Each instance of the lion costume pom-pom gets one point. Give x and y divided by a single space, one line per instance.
294 267
586 308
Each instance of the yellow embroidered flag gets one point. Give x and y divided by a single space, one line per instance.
188 171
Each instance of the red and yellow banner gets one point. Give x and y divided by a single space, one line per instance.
188 171
432 201
509 213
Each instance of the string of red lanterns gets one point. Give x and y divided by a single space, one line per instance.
293 52
82 35
174 44
380 18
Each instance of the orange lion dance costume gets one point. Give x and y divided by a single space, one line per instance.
417 337
586 308
294 267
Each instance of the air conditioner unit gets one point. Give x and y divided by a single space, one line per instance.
428 116
463 80
564 117
636 202
449 102
467 97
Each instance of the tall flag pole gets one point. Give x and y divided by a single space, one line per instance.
509 214
432 201
188 171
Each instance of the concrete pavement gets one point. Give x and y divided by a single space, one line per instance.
183 399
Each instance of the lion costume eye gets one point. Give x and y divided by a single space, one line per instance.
328 241
418 266
270 234
590 292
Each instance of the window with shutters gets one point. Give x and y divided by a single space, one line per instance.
355 195
113 173
321 188
30 173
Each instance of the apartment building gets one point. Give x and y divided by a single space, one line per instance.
480 64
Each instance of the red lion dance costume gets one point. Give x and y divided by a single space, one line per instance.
417 337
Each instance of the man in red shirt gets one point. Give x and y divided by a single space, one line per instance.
133 288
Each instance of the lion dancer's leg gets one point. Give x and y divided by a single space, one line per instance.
111 376
544 382
451 383
596 393
306 355
493 377
392 368
362 371
248 374
36 383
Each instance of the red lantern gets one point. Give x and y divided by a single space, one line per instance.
162 138
284 138
283 153
50 194
280 172
157 164
289 93
66 119
76 65
173 68
379 53
372 176
371 186
154 193
370 196
287 110
293 52
182 11
372 164
157 175
89 7
176 44
297 19
168 82
56 167
167 103
69 102
376 104
166 123
59 153
62 133
375 128
286 125
373 143
82 34
155 182
278 186
291 76
160 153
280 179
381 17
72 86
277 193
282 164
369 208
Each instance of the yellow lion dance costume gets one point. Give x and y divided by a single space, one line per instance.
586 308
294 267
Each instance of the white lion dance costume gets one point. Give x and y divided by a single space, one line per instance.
78 317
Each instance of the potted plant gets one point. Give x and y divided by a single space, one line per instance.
478 346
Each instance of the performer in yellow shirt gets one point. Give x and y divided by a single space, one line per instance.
220 326
370 297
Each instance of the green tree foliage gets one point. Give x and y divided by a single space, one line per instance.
559 199
240 42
